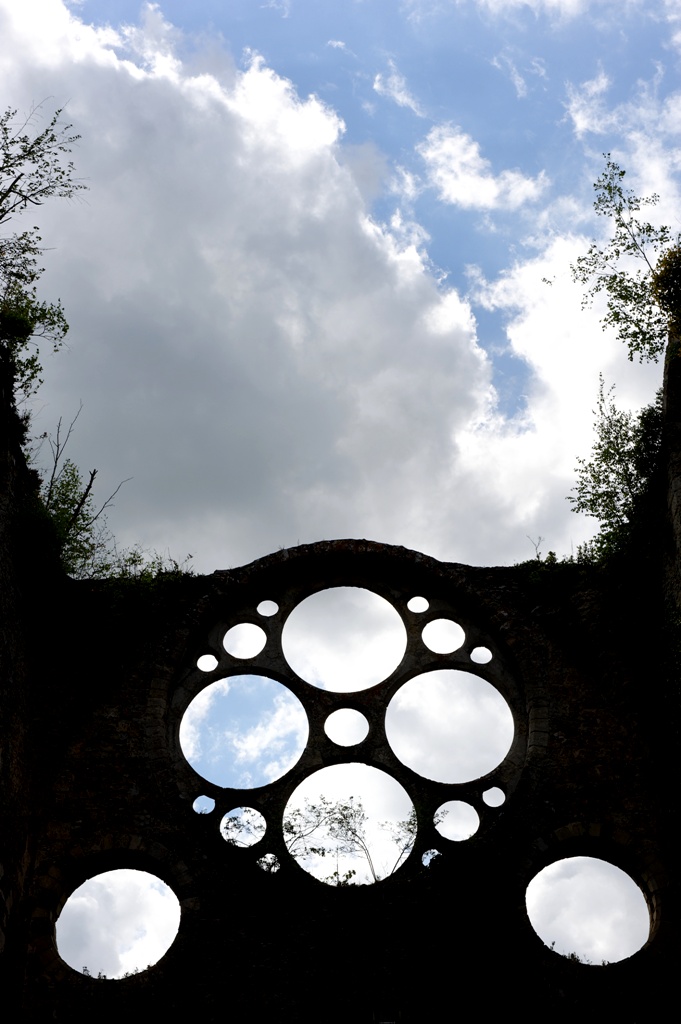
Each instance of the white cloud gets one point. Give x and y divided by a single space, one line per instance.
463 177
505 64
394 87
589 907
118 921
269 363
586 106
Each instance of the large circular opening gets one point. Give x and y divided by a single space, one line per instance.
117 924
589 910
350 825
243 732
449 726
344 639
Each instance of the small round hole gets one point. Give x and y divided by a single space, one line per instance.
442 636
456 820
346 727
429 856
494 797
268 608
204 804
418 604
207 662
269 863
481 655
244 826
245 640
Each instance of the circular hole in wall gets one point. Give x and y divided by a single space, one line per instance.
207 662
481 655
243 826
244 640
268 608
590 908
494 797
443 636
417 604
449 726
346 727
117 923
349 824
204 804
244 731
456 820
344 639
429 856
269 863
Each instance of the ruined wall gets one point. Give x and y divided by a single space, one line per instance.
96 780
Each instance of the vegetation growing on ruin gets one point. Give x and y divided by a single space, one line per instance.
34 167
639 269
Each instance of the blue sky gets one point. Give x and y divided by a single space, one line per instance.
305 285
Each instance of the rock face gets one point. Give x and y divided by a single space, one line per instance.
95 678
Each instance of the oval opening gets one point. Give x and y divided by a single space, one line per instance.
207 662
267 608
587 909
244 640
346 727
443 636
117 924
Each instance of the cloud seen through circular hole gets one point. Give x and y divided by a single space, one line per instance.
244 731
449 726
118 922
589 907
344 639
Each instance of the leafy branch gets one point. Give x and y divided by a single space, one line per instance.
626 267
33 168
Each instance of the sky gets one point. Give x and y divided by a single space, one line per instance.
319 285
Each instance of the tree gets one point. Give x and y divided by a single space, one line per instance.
88 549
612 486
635 268
33 167
639 269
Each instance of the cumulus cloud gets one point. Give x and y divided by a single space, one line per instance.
117 922
394 87
267 361
463 177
